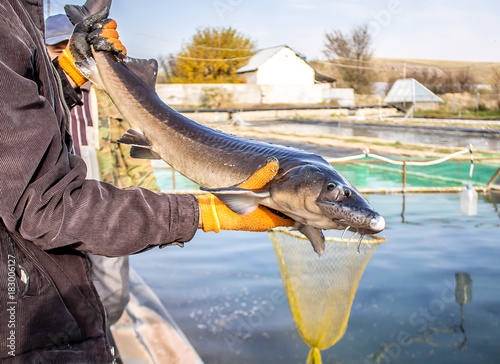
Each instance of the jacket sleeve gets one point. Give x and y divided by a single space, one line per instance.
44 195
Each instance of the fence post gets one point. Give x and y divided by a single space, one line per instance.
404 176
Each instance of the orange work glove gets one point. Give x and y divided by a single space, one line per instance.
96 30
216 216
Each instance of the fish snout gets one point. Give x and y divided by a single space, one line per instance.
377 224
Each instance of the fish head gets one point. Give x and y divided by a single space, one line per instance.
343 204
319 196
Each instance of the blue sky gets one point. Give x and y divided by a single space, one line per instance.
461 30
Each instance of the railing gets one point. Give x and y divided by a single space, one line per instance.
404 163
378 159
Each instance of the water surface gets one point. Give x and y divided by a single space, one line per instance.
225 290
404 133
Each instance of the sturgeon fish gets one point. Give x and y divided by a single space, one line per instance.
306 188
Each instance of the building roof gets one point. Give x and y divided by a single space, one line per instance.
259 58
410 90
322 78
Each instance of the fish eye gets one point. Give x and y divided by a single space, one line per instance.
331 186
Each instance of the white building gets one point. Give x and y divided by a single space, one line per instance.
274 76
280 66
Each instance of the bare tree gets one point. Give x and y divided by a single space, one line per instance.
495 80
351 51
434 79
167 65
464 81
441 82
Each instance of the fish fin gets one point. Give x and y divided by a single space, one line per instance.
135 138
315 236
88 68
264 173
239 200
143 153
76 13
141 148
145 69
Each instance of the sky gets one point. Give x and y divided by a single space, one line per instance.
456 30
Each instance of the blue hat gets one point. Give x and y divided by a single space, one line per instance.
58 28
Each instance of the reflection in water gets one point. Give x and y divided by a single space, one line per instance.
403 209
463 296
320 290
494 197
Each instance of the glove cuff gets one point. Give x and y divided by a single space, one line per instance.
67 63
208 213
216 215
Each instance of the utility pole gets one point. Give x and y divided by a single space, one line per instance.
404 69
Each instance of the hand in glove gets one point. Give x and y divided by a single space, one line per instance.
96 30
215 215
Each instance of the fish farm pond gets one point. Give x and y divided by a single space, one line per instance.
429 293
444 135
226 293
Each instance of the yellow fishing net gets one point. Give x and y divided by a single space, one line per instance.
320 290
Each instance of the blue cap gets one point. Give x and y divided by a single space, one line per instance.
58 28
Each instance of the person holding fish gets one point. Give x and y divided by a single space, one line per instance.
52 216
95 126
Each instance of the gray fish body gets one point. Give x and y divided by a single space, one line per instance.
306 188
208 157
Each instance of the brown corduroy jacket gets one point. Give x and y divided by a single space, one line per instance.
51 215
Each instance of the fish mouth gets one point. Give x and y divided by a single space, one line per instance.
374 226
358 219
